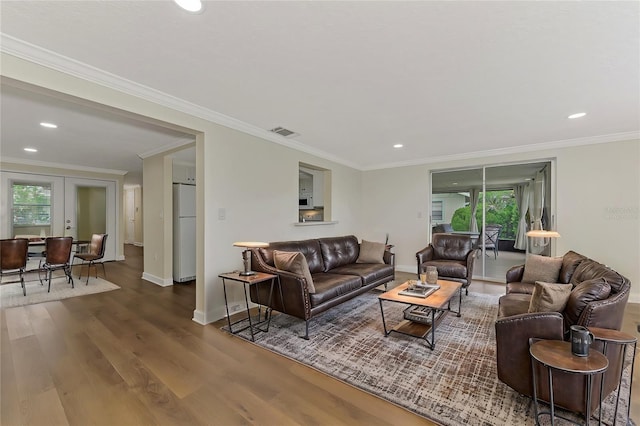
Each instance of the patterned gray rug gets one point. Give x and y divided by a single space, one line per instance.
455 384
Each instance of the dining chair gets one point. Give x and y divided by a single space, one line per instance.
57 257
93 256
13 258
491 238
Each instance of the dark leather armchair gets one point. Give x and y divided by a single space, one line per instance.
515 329
452 255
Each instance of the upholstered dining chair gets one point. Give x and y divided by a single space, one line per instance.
93 256
13 258
57 257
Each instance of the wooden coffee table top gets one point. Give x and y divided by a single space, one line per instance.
437 300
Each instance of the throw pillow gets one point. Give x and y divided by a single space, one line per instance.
549 297
541 268
584 293
371 252
294 261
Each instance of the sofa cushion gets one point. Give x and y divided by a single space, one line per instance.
338 251
513 304
549 297
584 293
448 268
310 249
294 262
590 269
371 252
331 286
369 272
570 262
541 268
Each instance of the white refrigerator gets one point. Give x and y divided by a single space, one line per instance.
184 232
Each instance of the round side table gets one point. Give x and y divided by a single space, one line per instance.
615 337
556 355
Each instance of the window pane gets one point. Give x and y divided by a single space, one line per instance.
31 207
436 210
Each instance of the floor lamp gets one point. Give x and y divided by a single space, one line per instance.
541 233
246 256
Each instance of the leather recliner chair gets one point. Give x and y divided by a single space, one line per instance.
516 328
452 255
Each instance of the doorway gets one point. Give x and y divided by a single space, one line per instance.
476 200
91 208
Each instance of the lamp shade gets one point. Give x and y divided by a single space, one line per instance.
251 244
541 233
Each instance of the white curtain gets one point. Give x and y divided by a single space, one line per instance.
474 194
537 209
522 193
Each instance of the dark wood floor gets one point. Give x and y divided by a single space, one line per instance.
134 357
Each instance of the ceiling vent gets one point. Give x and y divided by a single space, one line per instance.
284 132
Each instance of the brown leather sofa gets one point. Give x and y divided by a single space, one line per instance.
453 255
336 275
514 327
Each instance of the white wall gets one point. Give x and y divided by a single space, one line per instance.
253 180
596 199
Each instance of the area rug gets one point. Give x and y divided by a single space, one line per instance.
455 384
11 294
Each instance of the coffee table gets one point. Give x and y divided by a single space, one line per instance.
439 303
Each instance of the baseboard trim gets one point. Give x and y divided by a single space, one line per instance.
407 268
204 318
634 298
162 282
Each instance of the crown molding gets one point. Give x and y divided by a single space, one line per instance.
13 160
47 58
565 143
173 145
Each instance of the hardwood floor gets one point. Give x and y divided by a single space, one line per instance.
134 357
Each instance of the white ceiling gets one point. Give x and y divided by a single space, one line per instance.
446 79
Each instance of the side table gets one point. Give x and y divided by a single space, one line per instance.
249 280
556 355
615 337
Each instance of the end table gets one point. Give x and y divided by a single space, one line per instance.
249 280
556 355
615 337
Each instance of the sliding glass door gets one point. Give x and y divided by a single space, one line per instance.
495 206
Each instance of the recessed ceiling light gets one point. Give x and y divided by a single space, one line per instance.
528 178
398 145
454 183
49 125
577 115
31 150
190 5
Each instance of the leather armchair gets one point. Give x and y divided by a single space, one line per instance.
516 328
452 255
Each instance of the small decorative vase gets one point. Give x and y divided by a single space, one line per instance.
432 275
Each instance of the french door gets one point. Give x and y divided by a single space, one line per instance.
90 207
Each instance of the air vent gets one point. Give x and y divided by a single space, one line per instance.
284 132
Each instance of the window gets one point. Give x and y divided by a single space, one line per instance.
31 209
436 210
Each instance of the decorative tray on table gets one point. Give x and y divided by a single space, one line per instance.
418 289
